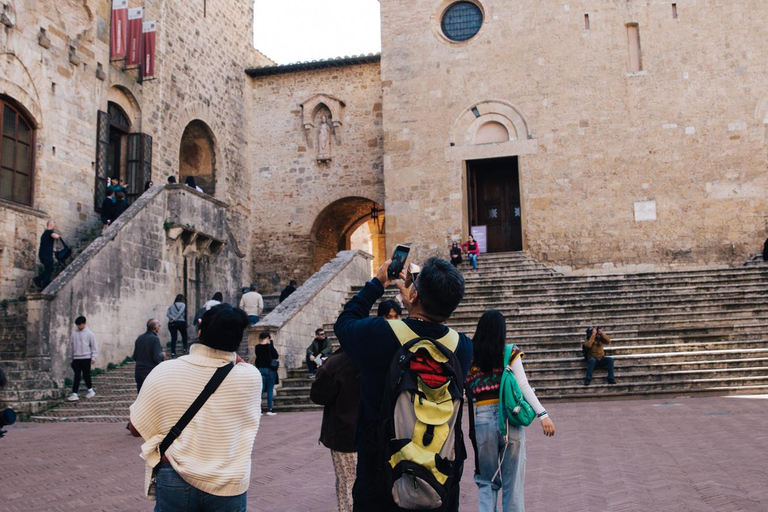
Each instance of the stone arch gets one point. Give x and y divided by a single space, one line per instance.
335 224
197 155
125 99
16 82
468 123
492 132
198 112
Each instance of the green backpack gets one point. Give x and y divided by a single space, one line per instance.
512 406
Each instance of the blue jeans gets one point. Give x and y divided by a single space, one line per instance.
268 380
490 447
254 319
176 495
605 362
473 260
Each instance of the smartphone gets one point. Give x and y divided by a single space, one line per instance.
398 261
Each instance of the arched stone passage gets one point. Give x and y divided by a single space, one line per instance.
197 156
336 224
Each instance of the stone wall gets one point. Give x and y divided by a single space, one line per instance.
315 303
170 236
302 207
686 135
54 66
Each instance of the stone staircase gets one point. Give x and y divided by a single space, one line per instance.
674 333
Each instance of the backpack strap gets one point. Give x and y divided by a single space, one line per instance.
405 334
512 352
205 394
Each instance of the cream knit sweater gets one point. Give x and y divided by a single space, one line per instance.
213 453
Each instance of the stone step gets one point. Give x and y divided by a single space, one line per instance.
575 360
90 418
572 378
535 372
618 350
680 385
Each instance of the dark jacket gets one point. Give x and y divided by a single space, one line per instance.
319 346
147 352
337 387
106 209
287 291
118 208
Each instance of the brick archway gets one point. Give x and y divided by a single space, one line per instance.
335 224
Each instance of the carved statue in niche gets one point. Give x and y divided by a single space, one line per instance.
324 131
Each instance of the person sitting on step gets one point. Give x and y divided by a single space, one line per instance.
595 354
318 351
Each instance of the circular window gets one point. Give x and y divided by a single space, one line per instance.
462 21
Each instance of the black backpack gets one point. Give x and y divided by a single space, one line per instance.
420 433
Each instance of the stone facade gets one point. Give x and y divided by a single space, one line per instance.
306 205
595 142
54 67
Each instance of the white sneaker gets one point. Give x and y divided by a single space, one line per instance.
90 394
73 397
271 413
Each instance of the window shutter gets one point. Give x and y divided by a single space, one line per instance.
138 164
102 152
133 167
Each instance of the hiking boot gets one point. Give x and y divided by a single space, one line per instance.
587 382
611 381
90 394
72 397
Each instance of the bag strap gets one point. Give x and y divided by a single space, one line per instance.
405 334
204 395
472 433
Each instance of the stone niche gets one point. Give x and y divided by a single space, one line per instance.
321 119
197 156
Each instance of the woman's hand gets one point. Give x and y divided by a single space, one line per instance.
548 427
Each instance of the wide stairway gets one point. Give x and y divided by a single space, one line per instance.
674 333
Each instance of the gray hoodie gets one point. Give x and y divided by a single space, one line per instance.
83 344
176 312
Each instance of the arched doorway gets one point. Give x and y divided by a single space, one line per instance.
197 156
348 223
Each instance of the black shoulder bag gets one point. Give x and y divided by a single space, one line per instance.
175 432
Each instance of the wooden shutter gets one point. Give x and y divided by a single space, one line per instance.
102 152
138 164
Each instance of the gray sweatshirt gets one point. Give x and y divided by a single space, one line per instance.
176 312
83 344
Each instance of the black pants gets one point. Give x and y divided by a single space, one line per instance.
141 376
311 365
81 366
175 328
45 277
605 362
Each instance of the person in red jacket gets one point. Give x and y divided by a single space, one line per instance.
472 249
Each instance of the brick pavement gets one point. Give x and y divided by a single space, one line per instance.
686 454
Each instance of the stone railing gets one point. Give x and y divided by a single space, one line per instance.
171 240
316 302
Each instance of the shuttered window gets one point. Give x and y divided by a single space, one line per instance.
16 155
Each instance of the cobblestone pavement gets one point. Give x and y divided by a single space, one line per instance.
686 454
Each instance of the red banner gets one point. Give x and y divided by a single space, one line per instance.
134 37
119 34
148 50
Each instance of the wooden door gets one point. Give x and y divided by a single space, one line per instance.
494 195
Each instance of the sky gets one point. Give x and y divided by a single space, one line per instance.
289 31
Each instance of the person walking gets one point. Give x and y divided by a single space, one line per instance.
82 344
147 352
288 290
473 250
500 458
266 355
337 389
252 303
45 253
177 323
318 350
208 466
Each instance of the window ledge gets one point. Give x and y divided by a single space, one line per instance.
21 208
637 73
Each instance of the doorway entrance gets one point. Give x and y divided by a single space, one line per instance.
494 202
